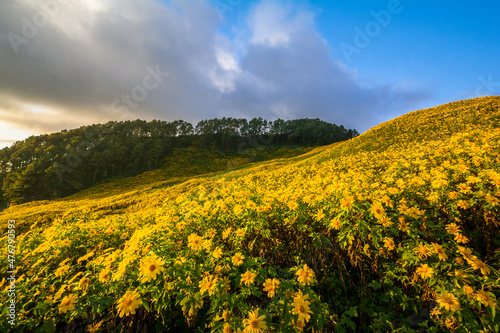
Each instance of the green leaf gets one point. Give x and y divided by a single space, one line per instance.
47 327
145 305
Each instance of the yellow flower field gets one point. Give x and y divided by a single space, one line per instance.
362 235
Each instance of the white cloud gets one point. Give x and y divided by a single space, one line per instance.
92 53
273 24
226 60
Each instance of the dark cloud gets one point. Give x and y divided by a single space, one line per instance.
83 62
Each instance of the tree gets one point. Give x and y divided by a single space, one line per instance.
59 164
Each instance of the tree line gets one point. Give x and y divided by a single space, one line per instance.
59 164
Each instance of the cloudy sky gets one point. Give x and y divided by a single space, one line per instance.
68 63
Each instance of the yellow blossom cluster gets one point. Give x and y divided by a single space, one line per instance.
400 216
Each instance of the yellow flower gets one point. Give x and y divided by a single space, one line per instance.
448 301
437 183
195 241
453 228
335 224
180 261
227 328
61 270
299 295
461 274
227 232
209 283
492 200
248 278
486 299
85 257
422 251
238 259
74 277
464 188
270 286
95 327
254 323
238 209
389 244
64 261
469 290
217 253
478 264
438 249
67 303
346 202
319 215
60 292
150 267
128 303
293 205
298 325
425 271
459 238
84 283
211 233
463 204
403 225
207 244
301 307
467 254
377 210
450 323
240 232
226 315
110 259
435 312
122 269
104 275
305 275
385 221
251 205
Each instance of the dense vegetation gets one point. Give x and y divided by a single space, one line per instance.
395 230
59 164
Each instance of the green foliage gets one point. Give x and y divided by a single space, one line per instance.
59 164
395 230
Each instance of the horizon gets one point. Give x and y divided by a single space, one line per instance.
194 124
68 65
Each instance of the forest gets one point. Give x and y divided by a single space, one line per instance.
59 164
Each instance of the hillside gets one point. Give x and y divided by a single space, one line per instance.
122 195
394 230
56 165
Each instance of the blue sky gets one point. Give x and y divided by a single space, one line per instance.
356 63
447 45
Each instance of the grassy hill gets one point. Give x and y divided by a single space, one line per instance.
183 165
394 230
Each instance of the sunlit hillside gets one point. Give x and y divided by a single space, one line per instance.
394 230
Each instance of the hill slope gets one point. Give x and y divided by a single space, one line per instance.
63 163
120 196
393 229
